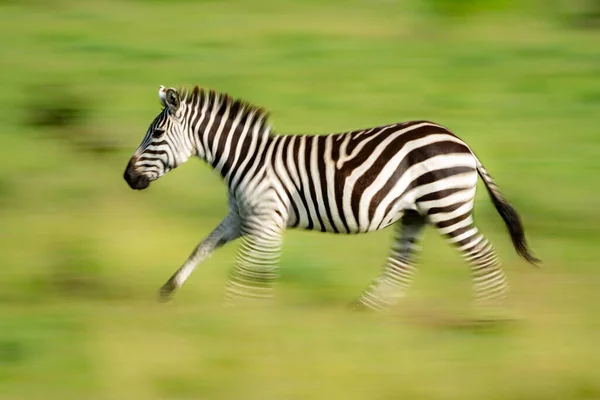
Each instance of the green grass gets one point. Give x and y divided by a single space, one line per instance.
82 255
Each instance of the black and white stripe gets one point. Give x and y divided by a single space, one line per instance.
406 174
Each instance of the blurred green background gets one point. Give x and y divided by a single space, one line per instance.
82 256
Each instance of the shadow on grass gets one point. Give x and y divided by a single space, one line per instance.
453 322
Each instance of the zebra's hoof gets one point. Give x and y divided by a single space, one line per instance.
163 297
358 306
166 292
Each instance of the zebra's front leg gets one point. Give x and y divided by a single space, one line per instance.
227 231
257 261
398 272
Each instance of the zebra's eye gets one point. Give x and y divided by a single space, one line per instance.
157 133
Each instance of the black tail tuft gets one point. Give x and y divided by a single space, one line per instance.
515 227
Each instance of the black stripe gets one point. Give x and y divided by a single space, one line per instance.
323 176
227 132
195 126
243 144
252 158
311 181
339 181
437 175
466 241
445 209
448 223
150 166
282 143
161 143
459 231
235 142
144 158
287 170
201 128
302 139
440 194
152 152
381 131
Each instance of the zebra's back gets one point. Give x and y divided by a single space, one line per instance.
361 181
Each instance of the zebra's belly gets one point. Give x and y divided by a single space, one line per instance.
348 224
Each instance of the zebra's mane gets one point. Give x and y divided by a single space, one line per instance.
222 102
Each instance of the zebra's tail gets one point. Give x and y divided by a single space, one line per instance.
509 215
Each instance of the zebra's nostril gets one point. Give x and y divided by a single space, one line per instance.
128 176
130 169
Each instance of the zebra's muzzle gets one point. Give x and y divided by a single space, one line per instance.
134 179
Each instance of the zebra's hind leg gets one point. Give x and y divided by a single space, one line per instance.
489 280
257 262
397 275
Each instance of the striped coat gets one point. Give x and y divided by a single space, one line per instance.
407 174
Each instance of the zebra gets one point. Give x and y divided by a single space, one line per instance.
407 175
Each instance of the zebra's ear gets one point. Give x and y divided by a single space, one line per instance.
172 99
169 98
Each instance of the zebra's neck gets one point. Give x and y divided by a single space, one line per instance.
233 150
230 135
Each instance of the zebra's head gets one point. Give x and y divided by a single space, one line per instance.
165 145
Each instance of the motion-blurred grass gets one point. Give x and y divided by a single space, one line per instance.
82 255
